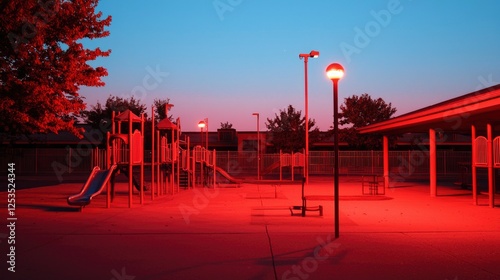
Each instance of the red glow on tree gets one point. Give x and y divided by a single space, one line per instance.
43 63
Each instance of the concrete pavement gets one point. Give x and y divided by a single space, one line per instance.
248 233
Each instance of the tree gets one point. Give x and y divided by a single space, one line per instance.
43 63
99 113
359 111
160 113
288 130
226 125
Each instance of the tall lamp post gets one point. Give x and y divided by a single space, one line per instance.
258 145
306 57
335 72
204 124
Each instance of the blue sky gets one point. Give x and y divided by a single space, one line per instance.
226 59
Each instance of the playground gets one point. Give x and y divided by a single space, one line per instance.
177 215
248 233
171 158
172 163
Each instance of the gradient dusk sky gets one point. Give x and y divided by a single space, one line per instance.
226 59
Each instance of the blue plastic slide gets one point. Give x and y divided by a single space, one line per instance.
94 186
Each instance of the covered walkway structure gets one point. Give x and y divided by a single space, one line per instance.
476 113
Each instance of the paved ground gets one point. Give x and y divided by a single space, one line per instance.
248 233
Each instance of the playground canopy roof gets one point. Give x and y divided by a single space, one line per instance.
166 124
456 114
127 115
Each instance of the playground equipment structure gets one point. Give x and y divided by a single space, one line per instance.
124 151
287 160
170 158
165 155
485 154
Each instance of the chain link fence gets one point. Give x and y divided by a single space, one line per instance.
50 161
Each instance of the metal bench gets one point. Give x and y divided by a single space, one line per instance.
303 209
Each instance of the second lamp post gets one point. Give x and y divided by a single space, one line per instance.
306 57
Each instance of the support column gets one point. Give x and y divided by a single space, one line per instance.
152 153
491 186
473 165
130 166
386 161
142 159
432 162
172 171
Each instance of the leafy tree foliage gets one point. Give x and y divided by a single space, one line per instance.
43 63
288 130
359 111
160 113
226 125
100 114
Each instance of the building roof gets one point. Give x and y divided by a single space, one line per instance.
456 114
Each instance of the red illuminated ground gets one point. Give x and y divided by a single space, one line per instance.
248 233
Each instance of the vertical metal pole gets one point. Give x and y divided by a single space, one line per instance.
206 123
432 162
177 156
130 166
215 167
201 137
159 177
386 161
258 148
491 185
152 152
142 159
373 162
473 165
36 160
336 160
108 165
306 109
172 171
69 160
281 165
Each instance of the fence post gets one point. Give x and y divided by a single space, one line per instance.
69 160
281 167
373 165
36 160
